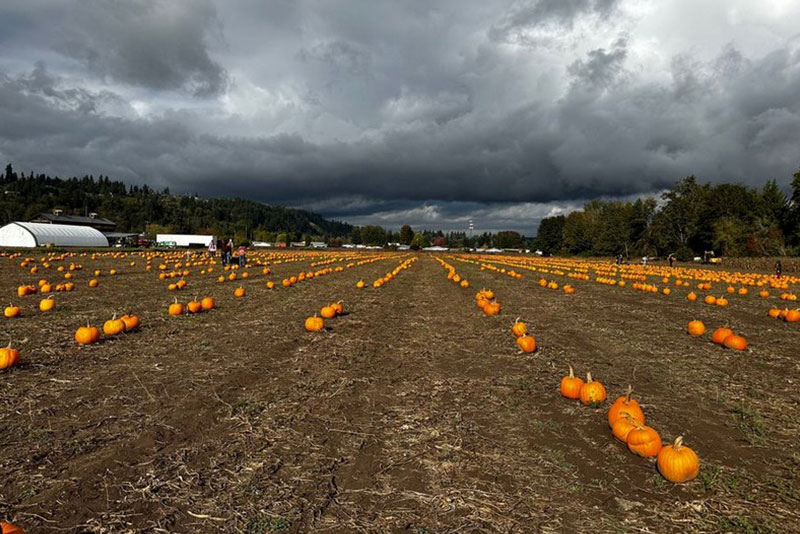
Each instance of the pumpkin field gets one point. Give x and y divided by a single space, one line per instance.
379 391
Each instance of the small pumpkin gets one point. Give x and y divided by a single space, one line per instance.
8 528
176 308
571 385
519 328
719 335
360 284
644 441
327 312
526 343
625 405
492 308
194 306
710 299
735 342
696 328
9 357
86 335
592 392
47 304
623 426
207 303
12 311
131 322
678 463
314 323
113 326
338 307
692 296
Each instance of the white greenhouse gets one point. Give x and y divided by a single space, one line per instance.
27 234
184 240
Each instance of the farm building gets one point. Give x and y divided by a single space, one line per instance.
92 221
185 240
29 234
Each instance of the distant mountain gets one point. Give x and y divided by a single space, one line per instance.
140 208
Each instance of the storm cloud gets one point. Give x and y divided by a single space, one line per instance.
388 113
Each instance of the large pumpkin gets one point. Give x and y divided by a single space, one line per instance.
625 405
720 334
644 441
678 463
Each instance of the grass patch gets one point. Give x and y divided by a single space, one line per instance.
265 524
750 421
743 524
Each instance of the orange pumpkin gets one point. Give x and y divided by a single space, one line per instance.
592 392
327 312
113 326
194 306
710 299
519 328
696 328
571 385
720 334
492 308
8 528
9 357
131 322
176 308
792 316
360 284
644 441
625 405
678 463
735 342
314 324
526 343
623 426
239 292
86 335
207 303
338 307
12 311
691 296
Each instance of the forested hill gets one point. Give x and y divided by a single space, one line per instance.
136 208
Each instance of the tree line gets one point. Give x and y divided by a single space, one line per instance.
141 209
687 220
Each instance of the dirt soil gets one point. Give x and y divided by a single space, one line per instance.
413 412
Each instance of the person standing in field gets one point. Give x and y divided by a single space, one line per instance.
212 248
223 251
671 259
229 249
778 268
242 256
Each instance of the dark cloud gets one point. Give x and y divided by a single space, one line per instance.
148 43
390 113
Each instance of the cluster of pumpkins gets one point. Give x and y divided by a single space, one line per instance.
724 337
486 302
405 264
677 463
88 335
192 307
316 323
525 342
790 316
452 275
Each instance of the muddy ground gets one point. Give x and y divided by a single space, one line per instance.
411 413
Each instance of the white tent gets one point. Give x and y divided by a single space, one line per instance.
27 234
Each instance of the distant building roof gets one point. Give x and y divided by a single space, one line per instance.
76 220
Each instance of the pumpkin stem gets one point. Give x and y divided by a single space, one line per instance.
516 320
571 373
588 378
628 394
678 443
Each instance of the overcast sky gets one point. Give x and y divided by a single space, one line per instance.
426 112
